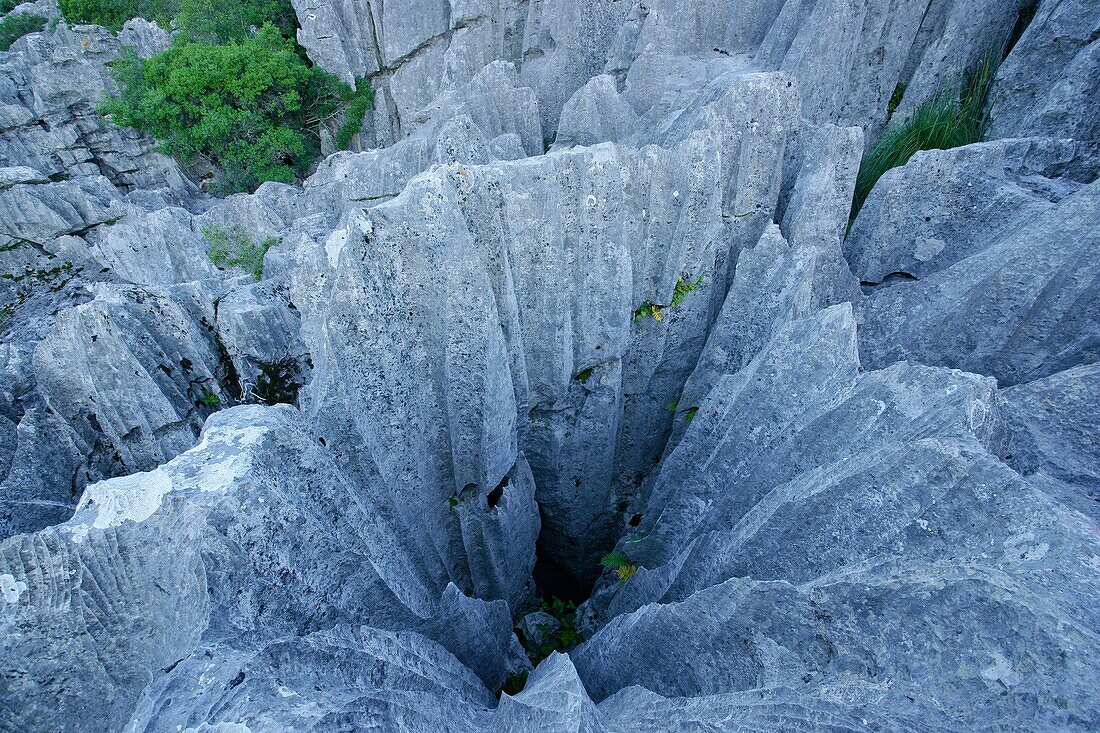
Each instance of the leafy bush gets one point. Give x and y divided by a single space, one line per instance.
219 21
113 14
359 103
249 108
202 20
560 639
947 120
14 27
232 247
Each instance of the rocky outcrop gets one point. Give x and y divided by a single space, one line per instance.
590 287
50 87
1042 87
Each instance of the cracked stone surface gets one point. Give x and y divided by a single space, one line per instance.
585 284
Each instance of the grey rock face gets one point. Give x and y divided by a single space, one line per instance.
748 546
947 205
484 364
1049 81
1047 431
597 113
49 92
115 385
578 366
816 215
233 572
1021 308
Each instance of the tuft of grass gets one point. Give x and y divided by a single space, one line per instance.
895 100
14 27
946 120
233 247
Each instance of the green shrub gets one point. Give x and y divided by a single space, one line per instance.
359 103
947 120
249 108
14 27
220 21
202 20
113 14
561 639
232 247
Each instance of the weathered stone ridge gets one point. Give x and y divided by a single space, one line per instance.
583 313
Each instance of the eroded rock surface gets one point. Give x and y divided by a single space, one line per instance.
586 284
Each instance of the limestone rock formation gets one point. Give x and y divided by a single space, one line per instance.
581 314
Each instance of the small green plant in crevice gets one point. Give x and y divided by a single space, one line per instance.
233 247
948 119
209 399
648 309
683 287
276 383
515 683
689 414
895 100
560 639
622 565
585 375
656 311
15 26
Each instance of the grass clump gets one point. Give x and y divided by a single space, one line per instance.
358 102
14 27
946 120
233 247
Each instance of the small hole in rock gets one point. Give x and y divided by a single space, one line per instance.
494 496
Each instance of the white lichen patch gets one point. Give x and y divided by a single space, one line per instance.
11 588
215 464
132 498
334 245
